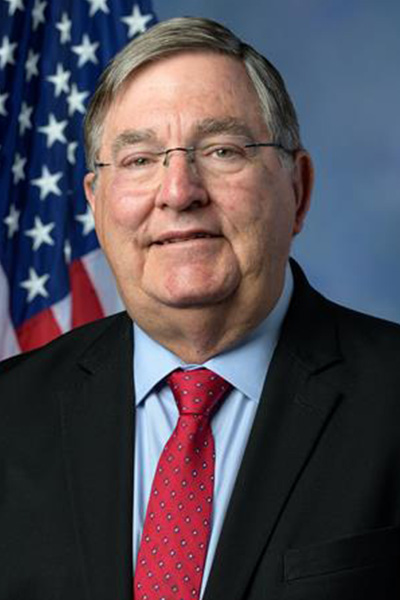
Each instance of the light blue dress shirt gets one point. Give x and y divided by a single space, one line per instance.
245 367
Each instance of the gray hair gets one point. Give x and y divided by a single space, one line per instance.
189 33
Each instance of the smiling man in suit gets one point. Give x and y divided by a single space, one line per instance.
233 434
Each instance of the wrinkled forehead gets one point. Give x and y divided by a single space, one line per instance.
193 88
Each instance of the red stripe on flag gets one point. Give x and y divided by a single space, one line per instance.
86 306
38 330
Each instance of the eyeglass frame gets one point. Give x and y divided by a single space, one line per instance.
190 150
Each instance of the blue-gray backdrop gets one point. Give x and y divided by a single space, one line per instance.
340 60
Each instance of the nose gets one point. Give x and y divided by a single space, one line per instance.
181 187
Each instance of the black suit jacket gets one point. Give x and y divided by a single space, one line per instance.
315 513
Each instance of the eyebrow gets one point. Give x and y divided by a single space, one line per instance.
210 126
130 137
226 125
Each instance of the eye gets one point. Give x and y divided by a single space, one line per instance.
139 160
224 152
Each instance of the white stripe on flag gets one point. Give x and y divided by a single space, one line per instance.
62 313
8 340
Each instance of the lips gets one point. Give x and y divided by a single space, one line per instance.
176 237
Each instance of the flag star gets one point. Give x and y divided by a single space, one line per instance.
96 5
47 183
35 285
86 51
75 100
18 168
38 13
60 80
3 98
24 118
87 221
67 251
71 149
7 52
136 21
31 65
14 6
54 130
12 221
64 27
40 234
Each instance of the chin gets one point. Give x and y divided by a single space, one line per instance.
191 299
188 289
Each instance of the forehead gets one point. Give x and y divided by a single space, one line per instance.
181 90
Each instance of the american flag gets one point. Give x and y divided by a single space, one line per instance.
53 275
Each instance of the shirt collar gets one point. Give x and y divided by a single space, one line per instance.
153 362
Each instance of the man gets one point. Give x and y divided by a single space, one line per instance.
286 484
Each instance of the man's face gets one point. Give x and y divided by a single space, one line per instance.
191 239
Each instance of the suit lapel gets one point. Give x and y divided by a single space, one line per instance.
296 404
97 423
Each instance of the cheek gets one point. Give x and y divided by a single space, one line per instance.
126 207
257 219
244 210
120 224
121 218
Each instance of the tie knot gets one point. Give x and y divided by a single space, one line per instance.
198 391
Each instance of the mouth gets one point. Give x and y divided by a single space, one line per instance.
175 238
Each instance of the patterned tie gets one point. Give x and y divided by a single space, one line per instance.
177 527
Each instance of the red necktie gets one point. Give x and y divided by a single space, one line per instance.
177 527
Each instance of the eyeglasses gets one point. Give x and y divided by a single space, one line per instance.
143 165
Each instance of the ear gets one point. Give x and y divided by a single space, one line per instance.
89 185
303 179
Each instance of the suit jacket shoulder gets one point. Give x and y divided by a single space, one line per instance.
56 356
66 455
362 339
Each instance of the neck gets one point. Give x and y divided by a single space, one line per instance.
197 334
